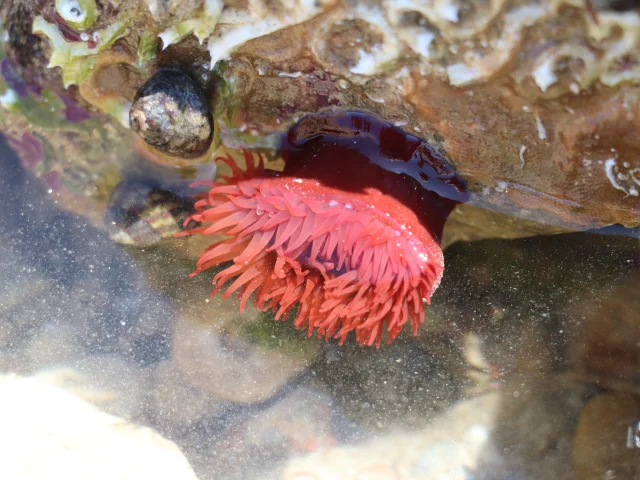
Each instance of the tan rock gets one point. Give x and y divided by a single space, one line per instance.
607 442
606 334
450 447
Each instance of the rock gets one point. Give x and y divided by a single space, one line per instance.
449 448
301 421
177 404
402 384
534 427
607 439
605 333
112 384
50 433
533 135
258 440
234 357
227 364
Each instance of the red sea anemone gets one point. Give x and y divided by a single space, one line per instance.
349 232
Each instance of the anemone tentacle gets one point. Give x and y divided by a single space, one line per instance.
348 267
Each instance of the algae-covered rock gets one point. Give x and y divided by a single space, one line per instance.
534 103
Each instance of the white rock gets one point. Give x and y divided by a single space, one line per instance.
49 433
450 448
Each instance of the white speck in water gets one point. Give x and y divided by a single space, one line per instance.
333 203
516 394
259 211
349 206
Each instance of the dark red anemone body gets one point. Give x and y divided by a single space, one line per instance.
349 231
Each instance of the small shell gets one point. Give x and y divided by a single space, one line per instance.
141 214
171 114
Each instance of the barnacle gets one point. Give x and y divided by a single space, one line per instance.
78 59
80 14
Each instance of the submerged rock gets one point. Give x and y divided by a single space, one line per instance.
48 432
607 439
456 446
605 334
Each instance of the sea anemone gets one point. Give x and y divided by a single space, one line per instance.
348 232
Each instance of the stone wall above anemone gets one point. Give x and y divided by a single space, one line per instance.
552 48
548 48
532 101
